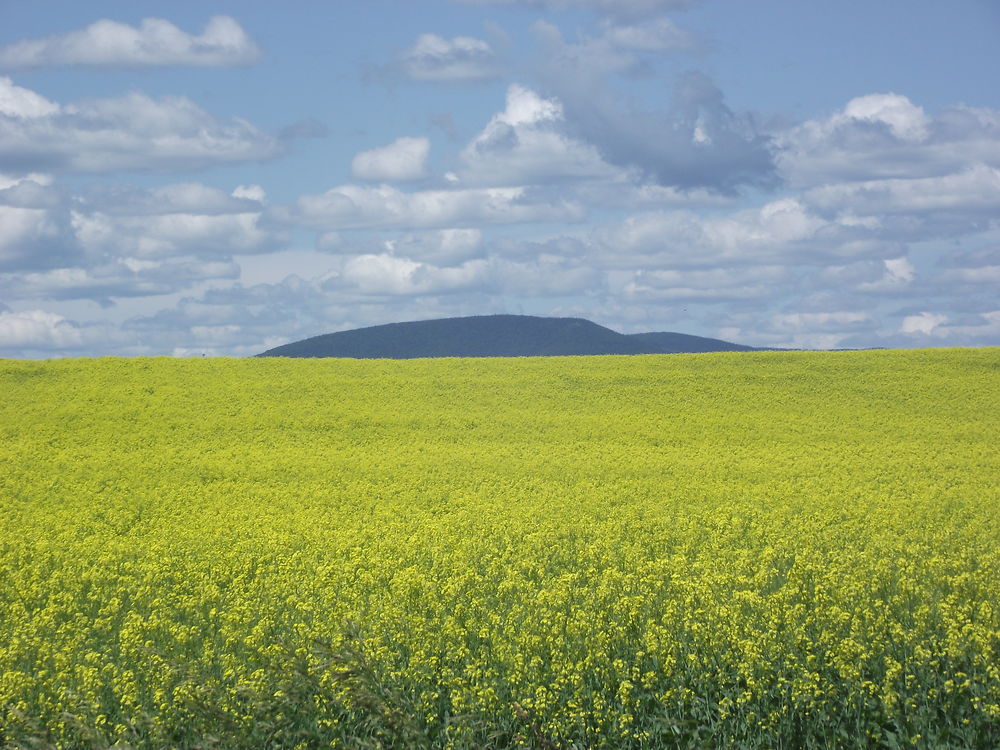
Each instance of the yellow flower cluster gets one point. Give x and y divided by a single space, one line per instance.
720 550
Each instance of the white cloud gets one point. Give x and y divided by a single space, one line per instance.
110 242
179 219
548 276
839 321
19 102
883 136
525 107
713 285
128 277
40 330
656 35
250 192
35 231
983 331
131 132
47 228
176 198
925 323
9 181
887 276
898 273
904 119
779 229
387 274
973 191
358 207
27 235
698 142
403 159
155 42
630 194
462 58
980 275
525 144
826 329
442 247
175 234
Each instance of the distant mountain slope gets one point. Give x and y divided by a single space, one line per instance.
493 336
675 343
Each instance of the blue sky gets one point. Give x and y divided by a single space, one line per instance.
220 178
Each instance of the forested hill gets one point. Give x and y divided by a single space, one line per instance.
494 336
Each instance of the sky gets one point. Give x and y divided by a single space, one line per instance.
219 177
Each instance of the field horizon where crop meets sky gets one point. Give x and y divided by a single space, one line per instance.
772 549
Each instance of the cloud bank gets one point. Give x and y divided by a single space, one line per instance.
155 42
402 160
433 58
133 132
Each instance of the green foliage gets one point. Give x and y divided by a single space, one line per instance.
766 550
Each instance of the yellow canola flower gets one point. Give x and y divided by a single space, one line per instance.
753 550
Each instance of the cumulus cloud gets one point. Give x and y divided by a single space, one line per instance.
886 136
33 238
784 229
386 274
128 277
620 47
932 328
654 35
108 242
925 323
974 191
889 275
693 285
155 42
21 103
898 271
403 159
131 132
436 59
175 198
237 320
840 321
444 247
174 220
903 119
43 333
390 275
174 234
979 275
797 329
358 207
527 144
35 231
441 247
36 329
699 142
629 194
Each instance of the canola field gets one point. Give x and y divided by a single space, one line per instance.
766 550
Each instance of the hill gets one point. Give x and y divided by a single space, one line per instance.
494 336
678 343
